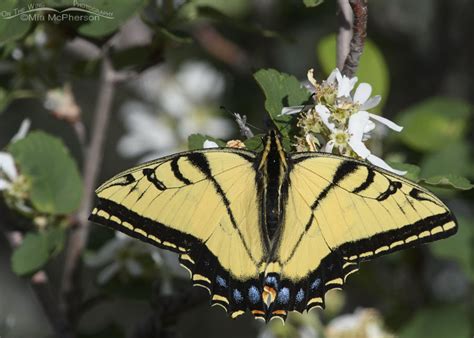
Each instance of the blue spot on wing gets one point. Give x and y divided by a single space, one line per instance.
238 296
221 282
283 296
254 294
272 281
300 296
316 283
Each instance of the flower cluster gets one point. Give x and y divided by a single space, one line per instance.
339 121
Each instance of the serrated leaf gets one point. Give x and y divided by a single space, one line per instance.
431 124
281 90
457 247
312 3
56 186
36 249
196 141
372 68
453 181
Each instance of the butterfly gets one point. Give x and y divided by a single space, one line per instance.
270 232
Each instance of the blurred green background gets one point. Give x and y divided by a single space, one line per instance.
181 61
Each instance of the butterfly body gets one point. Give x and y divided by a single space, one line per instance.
270 232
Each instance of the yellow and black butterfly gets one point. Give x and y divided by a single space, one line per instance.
272 231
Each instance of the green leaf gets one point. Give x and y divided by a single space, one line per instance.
458 247
56 186
449 321
454 158
196 141
36 249
312 3
451 181
372 67
431 124
281 90
254 143
12 25
119 10
176 36
413 171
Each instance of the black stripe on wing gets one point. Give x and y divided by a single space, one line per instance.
233 295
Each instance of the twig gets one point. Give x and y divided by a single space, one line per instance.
221 48
344 33
359 33
92 164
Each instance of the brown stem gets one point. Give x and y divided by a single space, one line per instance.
344 32
92 164
221 48
359 33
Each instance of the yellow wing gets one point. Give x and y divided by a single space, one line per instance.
202 205
339 212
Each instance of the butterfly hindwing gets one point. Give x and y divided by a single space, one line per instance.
340 212
196 204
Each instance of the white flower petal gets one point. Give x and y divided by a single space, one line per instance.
200 81
21 133
362 93
335 74
5 185
210 144
387 122
324 114
291 110
329 146
147 132
382 164
357 125
371 103
345 86
311 78
369 127
359 148
7 166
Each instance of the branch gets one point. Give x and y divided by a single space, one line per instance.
344 32
359 8
92 164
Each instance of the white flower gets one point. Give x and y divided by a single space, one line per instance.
8 172
149 134
121 253
8 169
362 323
210 144
344 83
359 123
179 104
